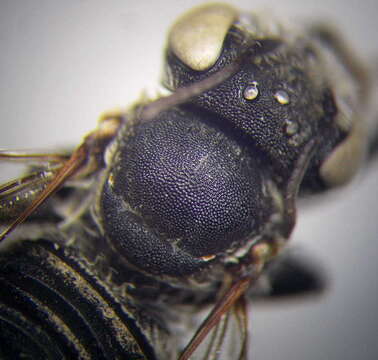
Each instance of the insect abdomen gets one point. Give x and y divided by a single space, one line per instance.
52 307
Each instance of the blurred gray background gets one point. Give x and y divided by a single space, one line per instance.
63 63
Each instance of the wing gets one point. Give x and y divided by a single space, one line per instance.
212 337
229 338
16 195
84 161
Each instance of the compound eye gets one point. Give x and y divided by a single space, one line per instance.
343 163
197 37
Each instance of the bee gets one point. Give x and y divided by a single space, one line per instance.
184 201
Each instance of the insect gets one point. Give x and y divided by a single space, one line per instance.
268 123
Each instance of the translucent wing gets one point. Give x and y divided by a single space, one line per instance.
229 338
16 195
212 335
85 160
